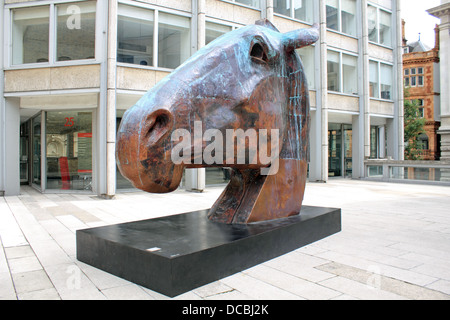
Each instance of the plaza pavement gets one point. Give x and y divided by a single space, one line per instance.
394 244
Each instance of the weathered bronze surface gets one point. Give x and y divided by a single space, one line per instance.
250 78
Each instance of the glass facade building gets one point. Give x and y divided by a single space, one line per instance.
70 69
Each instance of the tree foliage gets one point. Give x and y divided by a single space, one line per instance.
414 126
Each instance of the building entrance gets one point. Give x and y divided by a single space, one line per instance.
339 150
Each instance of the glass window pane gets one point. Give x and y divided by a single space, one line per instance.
420 81
350 74
251 3
386 81
135 35
75 31
406 82
372 23
282 7
332 14
36 150
214 30
308 59
69 150
174 40
373 79
30 30
333 71
303 10
348 17
385 28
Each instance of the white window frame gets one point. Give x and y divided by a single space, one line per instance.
379 8
245 5
156 10
340 20
52 41
379 63
292 13
341 73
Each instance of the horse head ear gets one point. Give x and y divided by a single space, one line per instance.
300 38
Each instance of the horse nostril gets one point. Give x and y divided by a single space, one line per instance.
159 125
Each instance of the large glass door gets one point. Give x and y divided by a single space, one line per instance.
339 150
68 137
334 150
36 150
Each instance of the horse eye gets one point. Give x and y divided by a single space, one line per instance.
258 52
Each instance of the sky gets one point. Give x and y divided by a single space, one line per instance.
418 20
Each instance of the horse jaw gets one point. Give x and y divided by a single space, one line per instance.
252 197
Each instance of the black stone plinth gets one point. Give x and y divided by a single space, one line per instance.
175 254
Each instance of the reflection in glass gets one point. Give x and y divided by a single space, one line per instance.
307 55
282 7
348 17
386 81
373 79
303 10
36 150
135 35
333 71
75 31
214 30
69 150
350 74
174 40
372 23
385 28
332 14
30 34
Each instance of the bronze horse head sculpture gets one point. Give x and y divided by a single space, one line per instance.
250 79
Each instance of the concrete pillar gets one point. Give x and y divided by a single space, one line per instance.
399 133
195 178
11 157
323 91
111 100
443 12
269 10
365 110
2 111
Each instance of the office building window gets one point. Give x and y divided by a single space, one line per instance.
372 16
298 9
386 81
381 80
348 17
332 7
373 79
341 16
350 74
75 31
385 28
30 35
307 54
174 40
53 33
250 3
342 73
135 35
380 26
333 65
215 30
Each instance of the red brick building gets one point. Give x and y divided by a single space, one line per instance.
421 76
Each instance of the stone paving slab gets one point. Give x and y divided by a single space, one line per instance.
394 244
